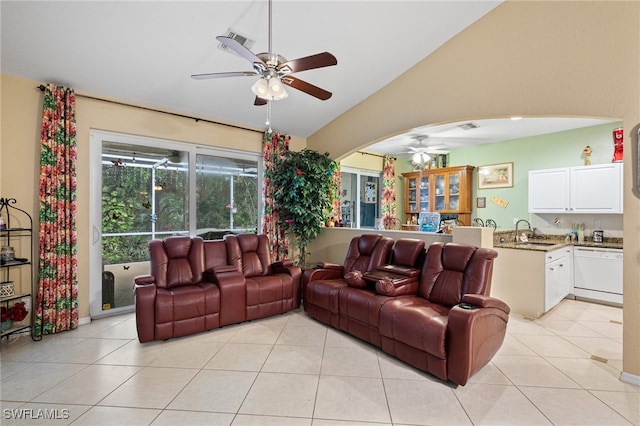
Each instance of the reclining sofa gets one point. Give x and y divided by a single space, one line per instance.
431 310
198 285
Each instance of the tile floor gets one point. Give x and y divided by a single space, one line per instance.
292 370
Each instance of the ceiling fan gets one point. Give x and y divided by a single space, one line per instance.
421 146
274 70
421 153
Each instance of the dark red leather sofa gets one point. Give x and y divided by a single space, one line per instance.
431 310
198 285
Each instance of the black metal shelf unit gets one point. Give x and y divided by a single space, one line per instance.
11 262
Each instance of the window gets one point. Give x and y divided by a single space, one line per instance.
360 193
144 188
226 195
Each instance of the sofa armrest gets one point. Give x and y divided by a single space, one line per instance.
475 332
145 301
322 274
233 294
295 272
286 267
329 265
485 302
398 287
282 263
144 280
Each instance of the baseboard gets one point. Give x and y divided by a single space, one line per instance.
84 321
630 378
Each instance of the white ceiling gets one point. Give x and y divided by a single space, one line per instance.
450 136
145 51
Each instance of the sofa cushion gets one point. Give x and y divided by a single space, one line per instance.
367 252
354 279
177 261
416 322
185 302
324 294
443 273
406 251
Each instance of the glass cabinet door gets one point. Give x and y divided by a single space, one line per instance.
412 194
454 191
424 194
440 195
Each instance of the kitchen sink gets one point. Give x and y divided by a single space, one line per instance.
536 244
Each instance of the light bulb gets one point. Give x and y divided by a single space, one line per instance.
276 90
420 157
260 88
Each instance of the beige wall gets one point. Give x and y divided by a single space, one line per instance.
524 58
19 149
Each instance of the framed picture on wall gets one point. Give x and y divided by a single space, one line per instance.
495 176
370 193
481 202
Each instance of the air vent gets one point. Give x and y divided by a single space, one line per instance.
468 126
245 41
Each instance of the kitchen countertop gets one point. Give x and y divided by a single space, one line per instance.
549 245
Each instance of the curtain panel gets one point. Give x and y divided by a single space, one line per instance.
57 299
274 145
336 204
388 202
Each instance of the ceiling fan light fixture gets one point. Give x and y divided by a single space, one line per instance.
261 88
276 89
420 158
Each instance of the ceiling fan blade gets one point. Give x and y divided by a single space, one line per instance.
308 88
239 49
223 75
320 60
260 101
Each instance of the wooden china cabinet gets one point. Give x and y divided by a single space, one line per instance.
447 191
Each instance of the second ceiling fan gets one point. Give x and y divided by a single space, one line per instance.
274 70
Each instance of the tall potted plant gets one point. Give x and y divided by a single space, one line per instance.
304 194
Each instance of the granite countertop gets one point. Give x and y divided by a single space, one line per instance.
549 245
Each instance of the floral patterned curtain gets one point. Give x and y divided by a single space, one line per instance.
388 202
273 145
336 204
57 303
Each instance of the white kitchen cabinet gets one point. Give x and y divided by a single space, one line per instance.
585 189
549 190
558 276
597 188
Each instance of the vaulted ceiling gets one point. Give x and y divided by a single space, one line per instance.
146 51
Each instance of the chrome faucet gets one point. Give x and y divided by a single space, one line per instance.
515 239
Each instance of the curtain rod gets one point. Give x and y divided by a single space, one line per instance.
374 155
42 89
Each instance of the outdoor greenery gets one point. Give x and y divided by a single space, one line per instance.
127 198
126 208
304 194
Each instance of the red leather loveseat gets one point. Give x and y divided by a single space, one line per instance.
198 285
432 311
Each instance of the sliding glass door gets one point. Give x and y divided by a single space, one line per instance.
145 189
226 195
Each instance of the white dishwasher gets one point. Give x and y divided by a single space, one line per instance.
598 273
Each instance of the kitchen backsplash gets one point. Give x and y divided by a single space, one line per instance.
560 224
